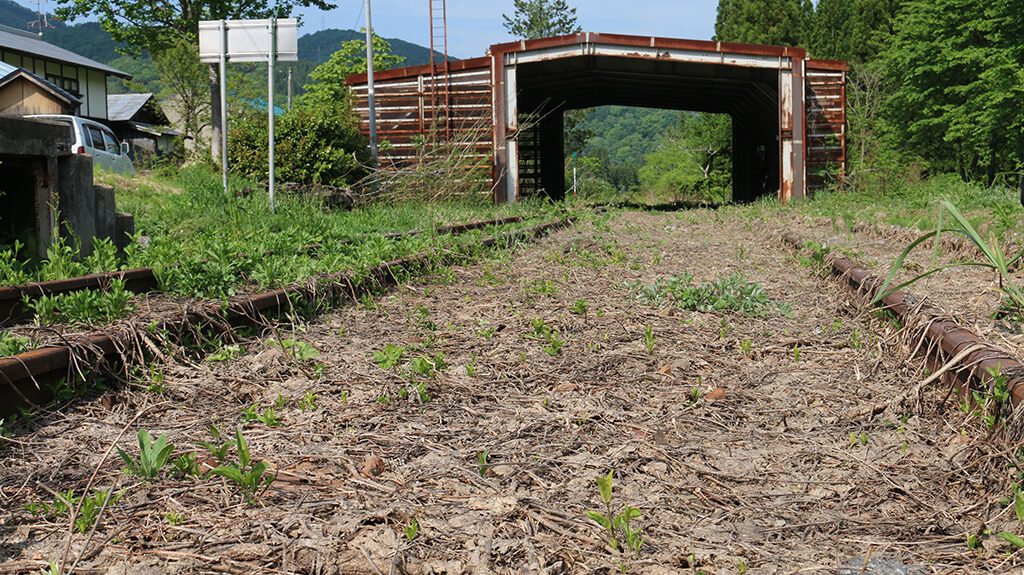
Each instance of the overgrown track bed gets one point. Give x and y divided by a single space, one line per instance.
13 299
773 441
91 354
968 294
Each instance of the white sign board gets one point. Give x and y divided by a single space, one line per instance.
248 40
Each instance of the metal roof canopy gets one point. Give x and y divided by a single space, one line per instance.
763 88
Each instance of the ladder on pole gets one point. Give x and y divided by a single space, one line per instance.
440 71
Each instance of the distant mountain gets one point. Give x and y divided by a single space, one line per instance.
89 40
318 47
17 16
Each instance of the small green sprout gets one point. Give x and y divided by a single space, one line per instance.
153 456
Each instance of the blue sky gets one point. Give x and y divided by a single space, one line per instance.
473 25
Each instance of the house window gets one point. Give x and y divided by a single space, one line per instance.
67 84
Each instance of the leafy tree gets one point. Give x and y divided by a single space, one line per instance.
761 21
541 18
328 79
693 161
186 87
155 25
956 66
852 30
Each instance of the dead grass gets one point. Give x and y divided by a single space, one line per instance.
792 456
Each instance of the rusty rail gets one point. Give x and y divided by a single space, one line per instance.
22 376
945 340
143 280
12 306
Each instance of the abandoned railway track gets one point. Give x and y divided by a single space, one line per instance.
13 299
24 377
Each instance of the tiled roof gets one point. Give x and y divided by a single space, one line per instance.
27 43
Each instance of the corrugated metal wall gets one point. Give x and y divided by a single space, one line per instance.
408 118
826 124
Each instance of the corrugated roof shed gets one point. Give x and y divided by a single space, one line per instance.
123 107
29 44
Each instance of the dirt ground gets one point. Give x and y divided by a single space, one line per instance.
784 443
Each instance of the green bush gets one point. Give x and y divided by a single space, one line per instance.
315 143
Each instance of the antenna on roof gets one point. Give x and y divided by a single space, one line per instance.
42 19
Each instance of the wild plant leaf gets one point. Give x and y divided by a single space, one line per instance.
1018 503
600 518
1012 538
625 516
604 485
243 449
230 472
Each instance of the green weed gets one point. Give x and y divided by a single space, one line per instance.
308 402
153 456
579 307
617 523
248 476
267 417
649 339
553 340
226 353
65 503
412 530
732 293
11 344
389 357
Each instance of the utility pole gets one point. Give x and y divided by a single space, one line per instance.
369 86
289 88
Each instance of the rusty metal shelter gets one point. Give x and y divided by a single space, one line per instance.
505 111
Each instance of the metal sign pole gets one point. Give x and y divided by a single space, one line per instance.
270 104
224 104
370 94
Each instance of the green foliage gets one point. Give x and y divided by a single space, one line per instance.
579 307
552 339
317 142
153 456
617 524
993 257
296 349
11 344
959 93
541 18
267 417
250 477
412 530
65 503
89 307
610 143
854 31
732 293
693 161
649 339
389 357
226 353
778 22
327 81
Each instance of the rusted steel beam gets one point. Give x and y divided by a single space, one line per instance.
12 308
944 338
23 377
